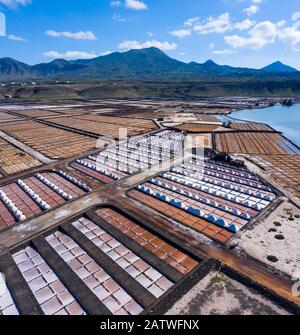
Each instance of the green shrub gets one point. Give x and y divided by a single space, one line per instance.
216 280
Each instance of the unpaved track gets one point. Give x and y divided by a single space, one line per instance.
114 194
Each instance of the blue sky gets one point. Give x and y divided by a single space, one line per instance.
236 32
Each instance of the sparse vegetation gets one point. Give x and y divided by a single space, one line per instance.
216 280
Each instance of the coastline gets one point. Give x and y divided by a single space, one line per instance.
284 134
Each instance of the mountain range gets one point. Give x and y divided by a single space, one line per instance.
143 63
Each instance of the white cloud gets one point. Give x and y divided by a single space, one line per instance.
224 52
251 10
118 17
181 33
115 3
219 24
296 16
244 25
267 32
16 38
291 35
126 45
80 35
261 34
254 7
2 25
136 5
15 3
191 22
70 55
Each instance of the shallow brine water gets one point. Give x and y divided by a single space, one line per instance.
281 118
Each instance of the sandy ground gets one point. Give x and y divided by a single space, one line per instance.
261 240
217 294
